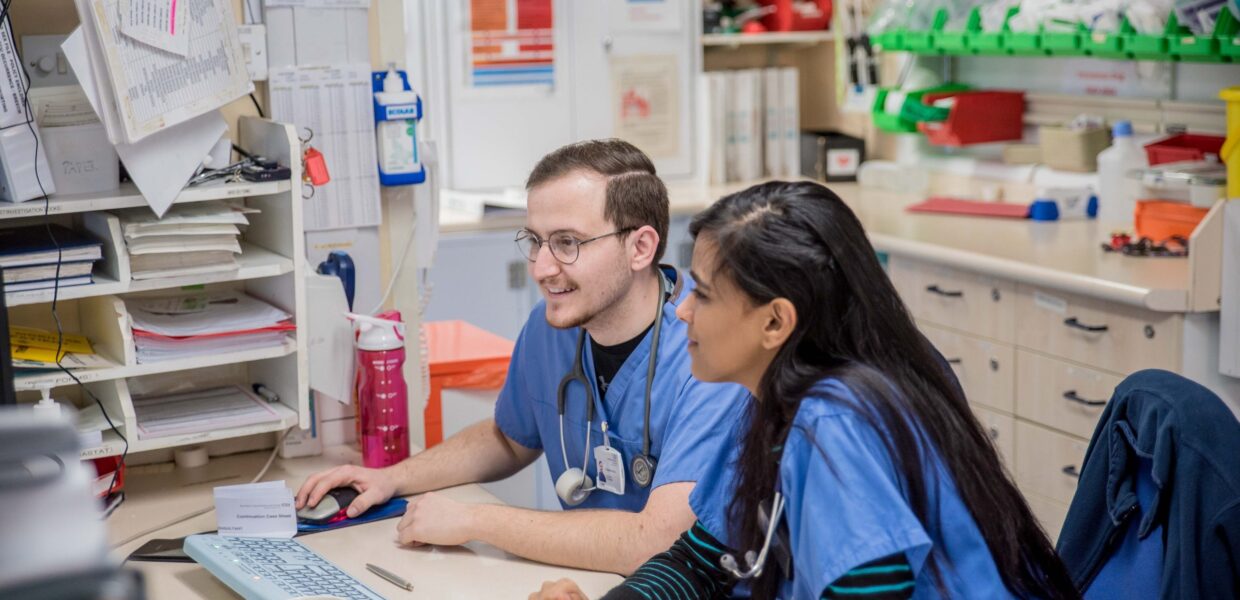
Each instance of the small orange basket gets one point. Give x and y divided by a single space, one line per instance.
1159 220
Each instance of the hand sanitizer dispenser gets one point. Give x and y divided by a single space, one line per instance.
397 112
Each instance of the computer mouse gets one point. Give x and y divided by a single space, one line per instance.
329 508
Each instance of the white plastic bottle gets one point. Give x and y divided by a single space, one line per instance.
396 136
1117 193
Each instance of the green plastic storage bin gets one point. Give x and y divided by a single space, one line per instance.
924 41
912 110
1148 46
1023 43
1107 44
890 41
1230 48
957 41
991 42
1063 43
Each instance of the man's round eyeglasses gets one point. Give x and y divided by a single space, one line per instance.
564 247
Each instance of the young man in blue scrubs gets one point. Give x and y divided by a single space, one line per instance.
596 228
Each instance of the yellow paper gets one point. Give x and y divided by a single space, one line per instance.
28 343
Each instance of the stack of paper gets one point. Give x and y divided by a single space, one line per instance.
156 74
189 240
189 326
750 124
36 349
203 410
28 256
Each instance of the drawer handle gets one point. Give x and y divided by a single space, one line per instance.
1071 395
935 289
1073 322
955 361
1070 471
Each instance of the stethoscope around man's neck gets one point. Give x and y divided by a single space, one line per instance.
574 485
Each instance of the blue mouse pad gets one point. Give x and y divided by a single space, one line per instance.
388 510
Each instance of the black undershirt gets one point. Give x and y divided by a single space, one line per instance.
609 359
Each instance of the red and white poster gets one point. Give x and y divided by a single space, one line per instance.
511 43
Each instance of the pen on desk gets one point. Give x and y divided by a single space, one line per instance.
266 393
393 578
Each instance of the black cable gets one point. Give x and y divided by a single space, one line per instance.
249 9
47 224
253 99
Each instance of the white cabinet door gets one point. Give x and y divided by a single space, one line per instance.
597 37
479 277
532 486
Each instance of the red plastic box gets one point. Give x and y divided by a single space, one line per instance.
977 117
787 17
1184 147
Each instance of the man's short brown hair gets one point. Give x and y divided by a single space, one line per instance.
635 194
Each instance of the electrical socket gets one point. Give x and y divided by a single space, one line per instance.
45 62
254 46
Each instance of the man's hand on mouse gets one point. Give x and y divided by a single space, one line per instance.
375 487
435 519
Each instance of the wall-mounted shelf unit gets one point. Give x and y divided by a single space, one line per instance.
1175 44
733 40
271 263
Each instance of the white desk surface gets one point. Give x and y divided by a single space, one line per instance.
475 570
1063 255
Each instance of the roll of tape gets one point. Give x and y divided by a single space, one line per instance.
190 457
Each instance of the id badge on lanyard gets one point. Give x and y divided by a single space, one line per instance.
610 466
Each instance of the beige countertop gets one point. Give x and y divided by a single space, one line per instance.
474 570
1063 255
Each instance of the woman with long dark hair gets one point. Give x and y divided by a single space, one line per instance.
863 473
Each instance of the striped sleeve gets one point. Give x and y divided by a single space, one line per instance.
888 578
688 570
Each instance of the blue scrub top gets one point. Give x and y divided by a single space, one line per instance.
854 510
692 424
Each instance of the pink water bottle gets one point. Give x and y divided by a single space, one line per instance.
382 396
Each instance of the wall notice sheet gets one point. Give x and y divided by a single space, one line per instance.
157 23
646 103
334 103
511 43
156 88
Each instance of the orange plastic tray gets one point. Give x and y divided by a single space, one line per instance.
1161 219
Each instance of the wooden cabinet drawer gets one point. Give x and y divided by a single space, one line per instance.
986 369
969 302
904 277
1061 395
1002 431
1049 513
1048 461
1110 336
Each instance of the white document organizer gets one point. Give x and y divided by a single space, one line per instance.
273 256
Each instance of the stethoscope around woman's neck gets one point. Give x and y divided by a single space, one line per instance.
574 485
